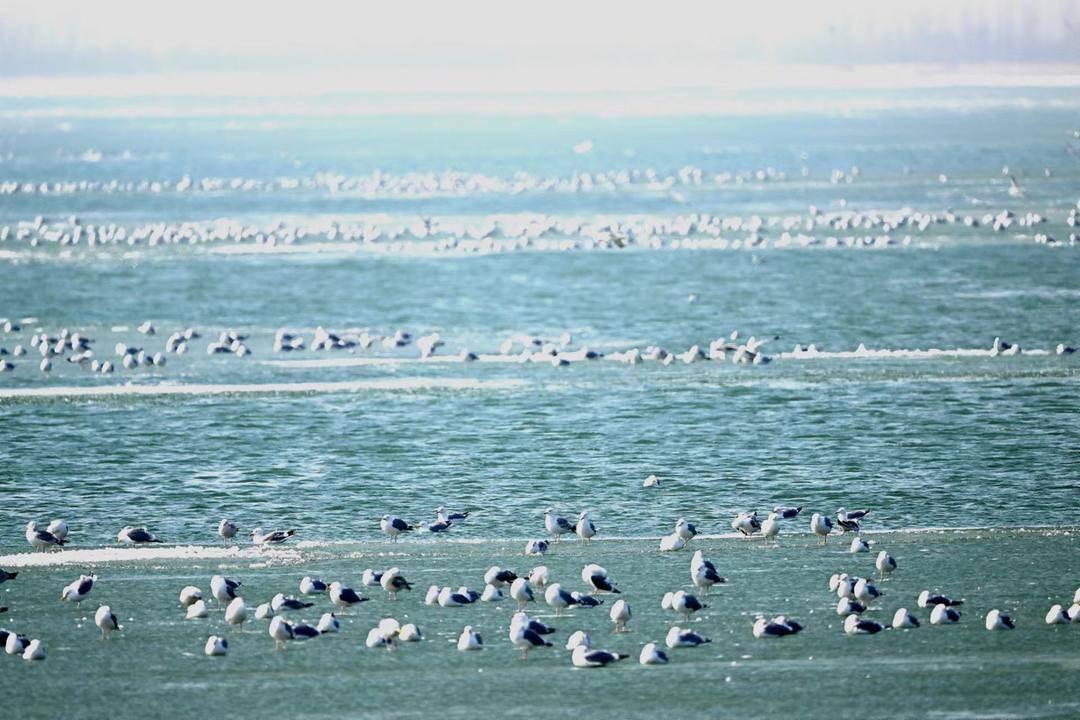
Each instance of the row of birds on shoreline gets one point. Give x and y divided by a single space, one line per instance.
526 633
747 524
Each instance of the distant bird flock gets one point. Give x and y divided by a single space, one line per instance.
856 596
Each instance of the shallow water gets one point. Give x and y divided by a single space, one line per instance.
328 442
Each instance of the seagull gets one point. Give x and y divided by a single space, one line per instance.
855 625
771 527
885 564
1057 616
223 589
858 545
328 623
106 621
5 576
651 481
236 612
34 650
845 585
585 528
578 637
926 599
393 526
393 582
216 646
533 624
651 655
584 657
997 620
944 615
189 595
432 596
15 643
778 627
312 586
41 539
524 638
536 547
620 615
821 526
685 530
1074 612
685 603
77 590
264 612
227 529
377 638
784 512
539 576
849 521
197 610
846 607
304 631
585 601
596 577
59 529
258 537
280 631
558 598
671 543
677 637
409 633
435 527
136 536
449 598
469 640
344 597
746 523
498 577
370 578
903 619
282 602
703 573
556 525
443 516
866 591
491 594
521 591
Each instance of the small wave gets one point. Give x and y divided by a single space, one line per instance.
407 384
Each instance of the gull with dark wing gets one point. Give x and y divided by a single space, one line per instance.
258 537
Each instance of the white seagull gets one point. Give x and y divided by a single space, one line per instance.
258 537
556 525
578 637
216 646
858 545
596 578
821 526
652 655
855 625
136 536
997 620
312 586
41 539
197 610
59 529
328 623
394 582
685 530
223 589
585 527
943 615
885 563
1057 616
77 590
558 598
469 640
236 612
522 592
620 615
106 621
227 529
189 595
280 631
524 638
677 637
34 650
584 657
902 619
671 543
778 627
393 526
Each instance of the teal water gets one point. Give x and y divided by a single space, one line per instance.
329 441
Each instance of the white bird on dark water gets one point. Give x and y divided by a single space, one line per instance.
393 526
686 604
1057 616
136 536
77 590
371 578
596 578
578 637
312 586
499 577
469 640
620 615
678 637
197 610
258 537
443 515
944 615
536 547
585 529
281 602
685 530
997 620
821 526
106 621
216 646
41 539
784 512
328 623
855 625
885 564
59 529
771 527
236 612
584 657
556 525
558 598
858 545
777 627
671 543
223 589
926 599
394 582
525 639
746 523
227 529
280 630
652 655
902 619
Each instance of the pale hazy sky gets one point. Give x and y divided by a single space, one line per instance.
118 36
